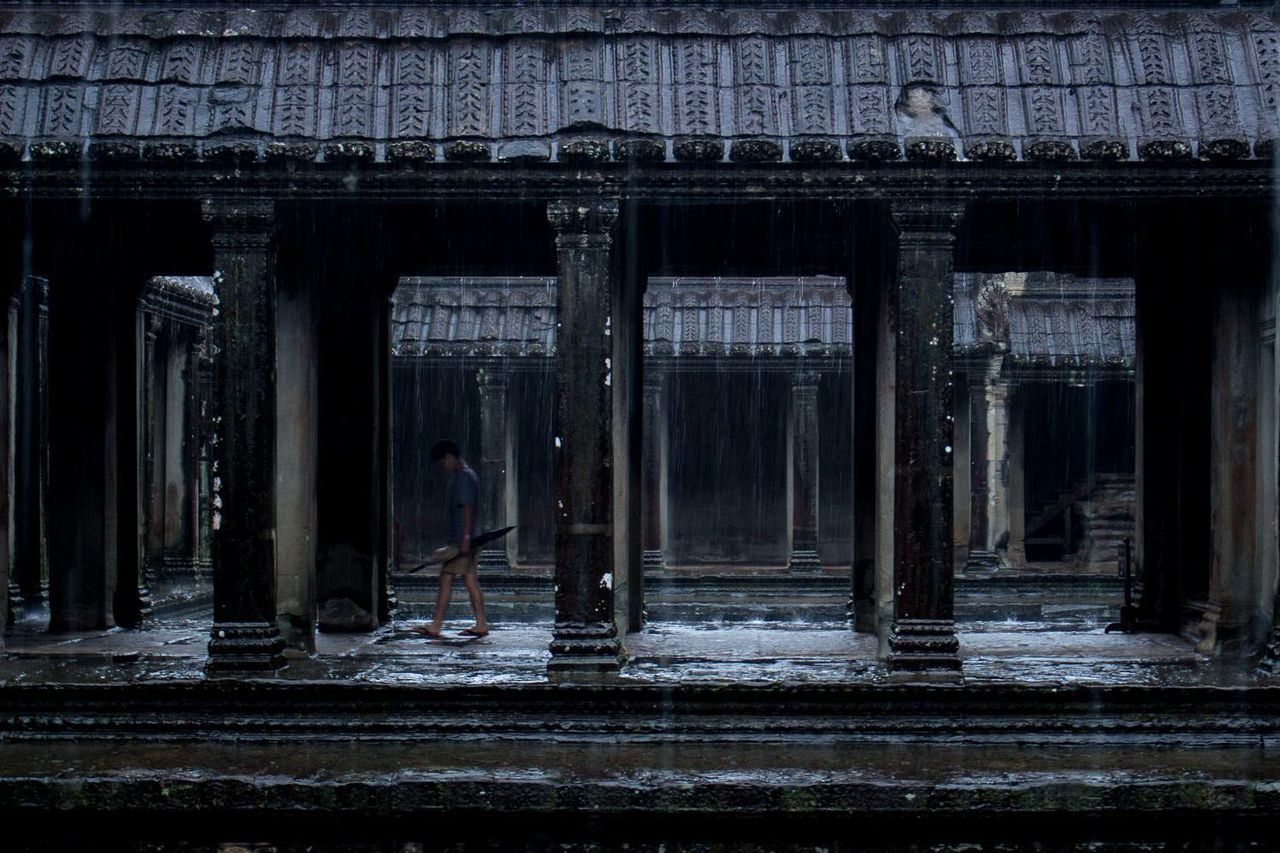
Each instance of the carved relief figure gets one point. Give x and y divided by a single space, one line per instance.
921 112
991 309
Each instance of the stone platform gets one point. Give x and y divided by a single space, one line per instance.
762 736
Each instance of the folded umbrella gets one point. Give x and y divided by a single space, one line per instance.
476 542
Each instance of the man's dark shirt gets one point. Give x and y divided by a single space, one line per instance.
464 489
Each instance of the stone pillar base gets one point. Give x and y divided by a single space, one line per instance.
1269 664
585 649
245 647
653 561
924 646
804 562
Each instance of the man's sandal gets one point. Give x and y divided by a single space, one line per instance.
424 631
472 632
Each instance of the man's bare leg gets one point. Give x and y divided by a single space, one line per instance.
442 604
472 583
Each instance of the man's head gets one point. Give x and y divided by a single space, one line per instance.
446 455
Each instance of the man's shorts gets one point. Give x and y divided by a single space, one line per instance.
455 562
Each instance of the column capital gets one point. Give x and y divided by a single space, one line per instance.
926 220
805 378
235 224
583 221
492 378
151 322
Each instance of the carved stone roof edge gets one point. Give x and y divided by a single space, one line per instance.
787 281
186 299
391 22
475 281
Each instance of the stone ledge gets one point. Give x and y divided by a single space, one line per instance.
260 709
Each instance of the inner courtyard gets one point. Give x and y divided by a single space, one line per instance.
873 406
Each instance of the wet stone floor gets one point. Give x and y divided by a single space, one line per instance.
743 652
711 629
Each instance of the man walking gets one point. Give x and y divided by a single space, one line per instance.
458 556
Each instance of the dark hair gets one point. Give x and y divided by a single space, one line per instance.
444 448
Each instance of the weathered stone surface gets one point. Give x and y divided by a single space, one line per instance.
411 151
1049 150
1165 149
937 149
244 634
54 150
114 152
585 638
467 151
233 153
923 636
640 150
815 150
874 149
1224 149
755 151
343 614
348 152
1104 149
524 151
990 150
299 152
699 149
584 151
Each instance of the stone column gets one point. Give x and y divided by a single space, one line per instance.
585 638
295 484
353 441
654 499
962 505
187 554
802 434
245 635
153 434
512 489
995 394
386 465
1015 479
866 283
1237 620
85 509
493 462
31 445
8 408
923 636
